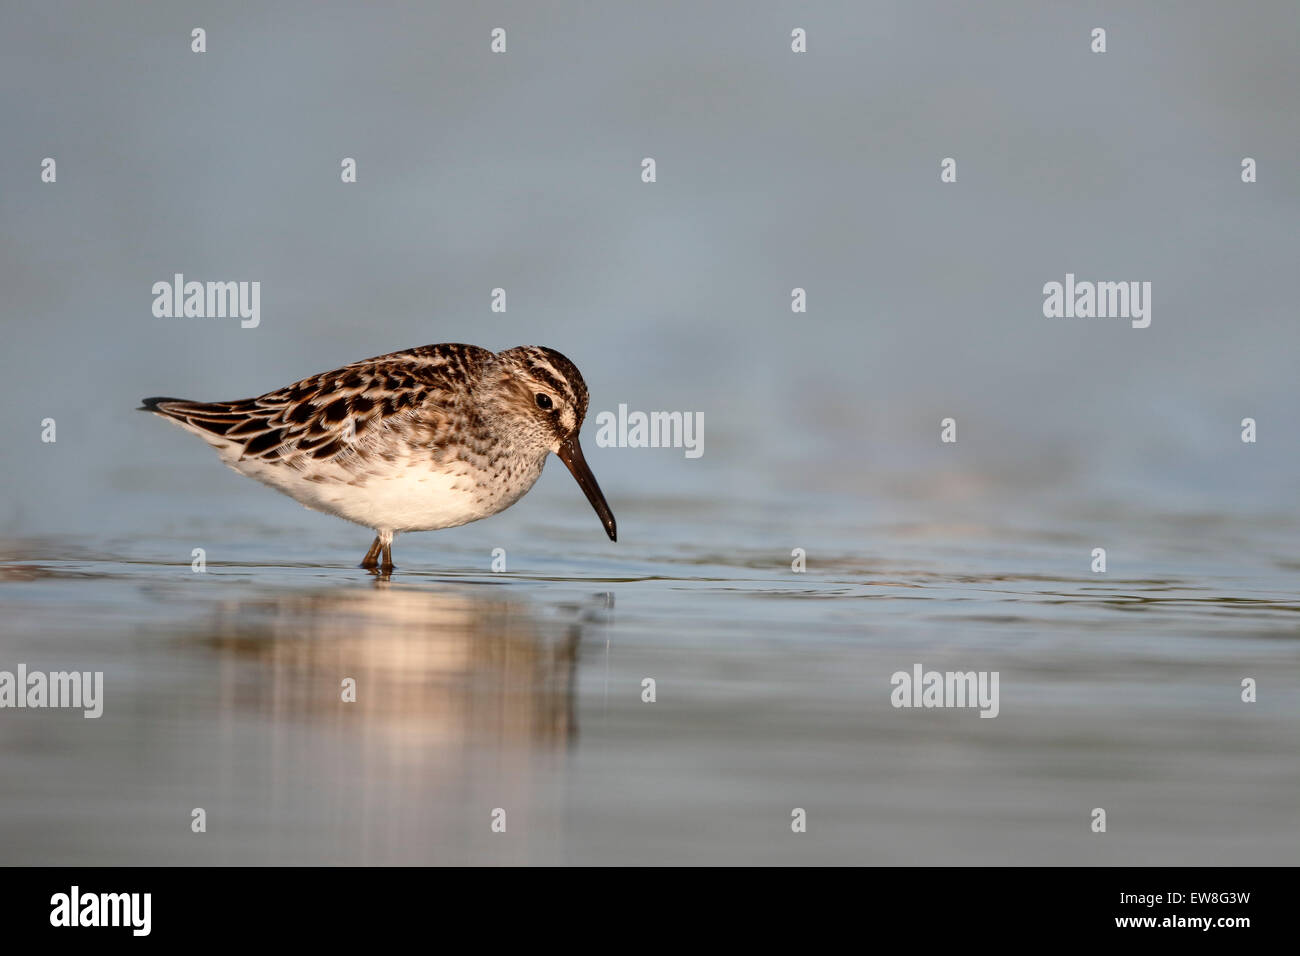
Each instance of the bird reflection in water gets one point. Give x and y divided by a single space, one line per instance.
464 704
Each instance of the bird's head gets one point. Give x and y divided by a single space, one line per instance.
540 400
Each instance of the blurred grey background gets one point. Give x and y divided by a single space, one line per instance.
775 170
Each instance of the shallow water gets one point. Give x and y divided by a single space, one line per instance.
522 691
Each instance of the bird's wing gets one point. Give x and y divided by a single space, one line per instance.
342 411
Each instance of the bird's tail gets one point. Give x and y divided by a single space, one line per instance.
215 418
160 404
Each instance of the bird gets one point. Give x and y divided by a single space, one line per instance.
426 438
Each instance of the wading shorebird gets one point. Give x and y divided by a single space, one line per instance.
431 437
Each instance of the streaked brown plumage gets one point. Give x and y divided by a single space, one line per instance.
430 437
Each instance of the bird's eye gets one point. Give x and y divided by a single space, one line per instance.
543 400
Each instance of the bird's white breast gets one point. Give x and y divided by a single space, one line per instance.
412 493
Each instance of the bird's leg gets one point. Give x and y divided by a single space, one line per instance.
386 560
371 560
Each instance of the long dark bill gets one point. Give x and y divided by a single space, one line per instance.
571 454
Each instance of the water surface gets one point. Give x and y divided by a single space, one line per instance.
523 691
